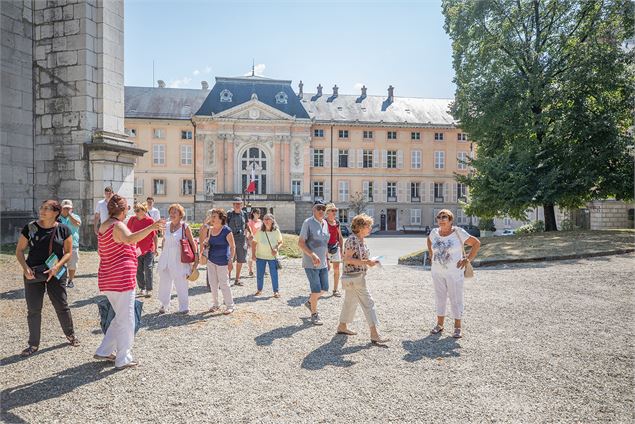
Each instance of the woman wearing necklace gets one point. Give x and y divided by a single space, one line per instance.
445 247
222 250
44 238
173 272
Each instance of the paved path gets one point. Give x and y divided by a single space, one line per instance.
545 342
391 247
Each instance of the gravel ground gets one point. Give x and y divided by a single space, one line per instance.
548 342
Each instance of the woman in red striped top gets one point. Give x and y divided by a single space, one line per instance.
116 279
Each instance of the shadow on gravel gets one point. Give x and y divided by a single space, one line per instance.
196 290
17 358
83 302
14 294
51 387
267 339
332 354
92 275
250 298
156 321
431 346
297 301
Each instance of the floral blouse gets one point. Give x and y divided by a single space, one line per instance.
357 246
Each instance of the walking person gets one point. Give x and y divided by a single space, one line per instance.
44 238
254 223
221 250
173 272
445 247
101 210
237 221
266 246
73 222
152 211
313 242
336 241
116 280
146 249
356 263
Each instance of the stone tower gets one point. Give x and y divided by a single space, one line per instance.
62 108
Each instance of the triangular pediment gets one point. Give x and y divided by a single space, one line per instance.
253 110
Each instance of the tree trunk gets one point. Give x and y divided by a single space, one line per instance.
550 217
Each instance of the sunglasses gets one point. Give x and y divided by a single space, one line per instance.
320 208
46 208
443 217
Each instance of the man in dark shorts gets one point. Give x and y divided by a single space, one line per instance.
237 220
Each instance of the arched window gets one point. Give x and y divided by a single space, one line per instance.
254 162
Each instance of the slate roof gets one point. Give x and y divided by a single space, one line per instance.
375 109
242 89
162 103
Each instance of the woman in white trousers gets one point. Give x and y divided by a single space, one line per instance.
171 270
356 263
445 247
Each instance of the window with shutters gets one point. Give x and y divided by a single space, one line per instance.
368 159
318 190
342 133
318 157
187 187
186 135
415 192
138 186
158 154
391 192
415 159
342 215
158 133
343 158
461 137
189 214
318 133
415 136
296 188
368 190
186 154
438 136
460 217
391 159
415 216
461 157
507 221
343 191
439 160
158 187
461 192
391 135
438 192
367 135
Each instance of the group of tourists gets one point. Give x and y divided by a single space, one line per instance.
128 252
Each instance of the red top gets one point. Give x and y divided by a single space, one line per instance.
147 244
334 232
117 264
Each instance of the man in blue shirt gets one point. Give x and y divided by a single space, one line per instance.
73 221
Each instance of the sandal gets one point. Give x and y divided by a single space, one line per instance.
380 341
437 329
72 340
457 333
346 332
337 293
276 295
258 293
29 351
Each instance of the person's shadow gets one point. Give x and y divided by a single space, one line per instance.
432 346
297 301
83 302
51 387
14 294
332 353
267 339
17 358
156 321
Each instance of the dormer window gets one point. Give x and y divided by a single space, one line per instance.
281 98
226 96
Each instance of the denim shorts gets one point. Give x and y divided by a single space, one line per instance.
318 279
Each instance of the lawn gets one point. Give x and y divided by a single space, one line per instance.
547 245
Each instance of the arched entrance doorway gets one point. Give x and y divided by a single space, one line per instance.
254 161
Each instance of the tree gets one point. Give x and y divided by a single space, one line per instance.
358 202
544 88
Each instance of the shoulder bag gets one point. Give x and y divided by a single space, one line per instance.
469 269
278 264
38 270
187 252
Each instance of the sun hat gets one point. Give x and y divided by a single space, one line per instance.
330 207
193 275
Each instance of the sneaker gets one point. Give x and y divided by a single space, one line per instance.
144 293
70 284
251 273
161 310
308 304
228 311
337 293
238 283
315 319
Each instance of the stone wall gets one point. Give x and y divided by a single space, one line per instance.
610 214
303 210
16 117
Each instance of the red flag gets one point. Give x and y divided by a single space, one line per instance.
251 187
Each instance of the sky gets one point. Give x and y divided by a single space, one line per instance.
348 42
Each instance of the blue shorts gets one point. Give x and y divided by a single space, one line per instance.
318 279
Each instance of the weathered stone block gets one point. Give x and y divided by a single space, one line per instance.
47 121
71 119
67 58
58 29
71 27
68 12
59 44
58 120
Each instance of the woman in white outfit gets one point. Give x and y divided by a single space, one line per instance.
171 270
445 247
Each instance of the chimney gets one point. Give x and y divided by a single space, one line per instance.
161 83
319 90
364 91
204 85
300 92
391 93
335 89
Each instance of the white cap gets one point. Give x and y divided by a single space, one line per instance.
66 203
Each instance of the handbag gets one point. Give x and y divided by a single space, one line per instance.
278 264
187 253
469 269
38 270
107 314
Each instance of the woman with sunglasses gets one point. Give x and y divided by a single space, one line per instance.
445 247
45 238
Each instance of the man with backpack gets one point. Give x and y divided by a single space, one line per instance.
237 220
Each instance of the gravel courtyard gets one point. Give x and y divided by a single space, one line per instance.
548 342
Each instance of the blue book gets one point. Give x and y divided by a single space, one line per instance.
51 261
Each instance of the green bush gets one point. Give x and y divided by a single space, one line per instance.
486 224
567 225
196 229
532 227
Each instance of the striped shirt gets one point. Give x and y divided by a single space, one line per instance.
117 263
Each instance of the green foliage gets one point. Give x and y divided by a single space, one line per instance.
568 225
486 224
533 227
544 88
196 229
